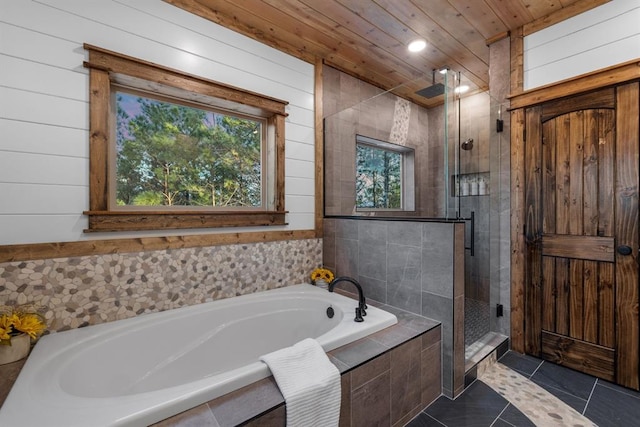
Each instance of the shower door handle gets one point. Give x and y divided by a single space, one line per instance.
473 233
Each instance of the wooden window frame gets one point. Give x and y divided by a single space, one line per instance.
107 68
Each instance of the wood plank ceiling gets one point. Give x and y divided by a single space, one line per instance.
368 38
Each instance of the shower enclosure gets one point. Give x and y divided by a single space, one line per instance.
389 161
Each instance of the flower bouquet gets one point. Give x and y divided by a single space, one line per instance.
18 326
321 277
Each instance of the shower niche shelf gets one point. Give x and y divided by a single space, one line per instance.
470 184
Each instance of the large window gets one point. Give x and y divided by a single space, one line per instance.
384 175
172 150
169 155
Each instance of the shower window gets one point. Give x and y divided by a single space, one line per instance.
384 175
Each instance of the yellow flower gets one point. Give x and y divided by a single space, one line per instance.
31 324
5 327
322 274
20 319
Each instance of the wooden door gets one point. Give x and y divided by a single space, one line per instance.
581 232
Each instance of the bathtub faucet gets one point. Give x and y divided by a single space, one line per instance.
362 306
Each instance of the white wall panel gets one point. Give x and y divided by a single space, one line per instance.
604 33
38 108
300 186
44 103
299 133
43 199
303 221
591 60
300 204
599 38
42 169
28 75
31 137
299 151
302 116
577 23
39 47
299 168
41 228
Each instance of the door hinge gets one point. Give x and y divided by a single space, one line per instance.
499 310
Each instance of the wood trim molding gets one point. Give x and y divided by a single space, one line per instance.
101 221
609 76
518 248
517 61
319 149
497 38
626 231
114 62
33 251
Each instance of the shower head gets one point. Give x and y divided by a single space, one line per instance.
432 91
467 144
436 89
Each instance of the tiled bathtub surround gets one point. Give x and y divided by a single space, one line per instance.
387 378
88 290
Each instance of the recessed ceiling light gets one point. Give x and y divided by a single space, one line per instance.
461 89
417 45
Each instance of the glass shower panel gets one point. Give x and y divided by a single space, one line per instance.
481 207
384 121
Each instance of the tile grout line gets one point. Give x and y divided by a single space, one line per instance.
501 412
589 398
535 370
433 418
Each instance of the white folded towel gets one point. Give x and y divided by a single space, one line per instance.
309 382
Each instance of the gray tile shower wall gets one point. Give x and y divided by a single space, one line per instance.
79 291
412 265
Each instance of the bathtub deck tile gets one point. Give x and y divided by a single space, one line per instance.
370 370
371 403
394 336
406 386
342 367
246 403
359 352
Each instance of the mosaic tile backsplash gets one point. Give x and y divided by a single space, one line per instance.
81 291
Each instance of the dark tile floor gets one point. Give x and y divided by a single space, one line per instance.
606 404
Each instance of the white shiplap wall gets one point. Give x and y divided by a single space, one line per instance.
44 103
596 39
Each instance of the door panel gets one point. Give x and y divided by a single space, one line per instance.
581 201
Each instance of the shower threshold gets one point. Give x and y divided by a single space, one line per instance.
476 352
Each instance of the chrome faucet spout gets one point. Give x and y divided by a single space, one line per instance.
362 306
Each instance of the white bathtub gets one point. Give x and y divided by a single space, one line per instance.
142 370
